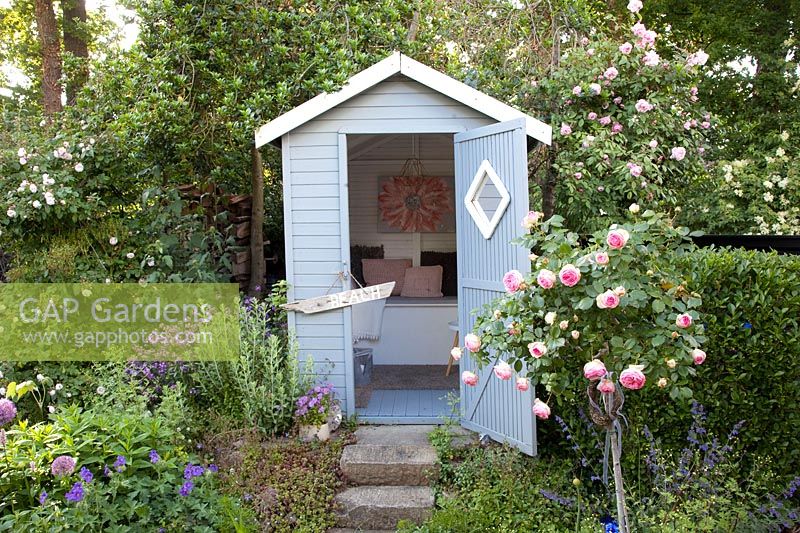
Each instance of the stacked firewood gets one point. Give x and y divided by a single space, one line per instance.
237 224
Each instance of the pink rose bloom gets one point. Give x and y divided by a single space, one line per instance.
651 59
594 370
632 377
705 124
584 41
605 121
698 356
643 106
647 39
693 91
512 281
523 384
634 6
565 129
638 29
590 52
595 88
575 334
611 73
540 409
503 370
618 100
683 321
578 175
569 275
577 90
537 349
606 386
620 291
698 58
653 144
592 116
456 353
687 125
601 258
616 128
626 48
607 300
678 153
636 170
530 220
546 279
469 378
617 238
472 342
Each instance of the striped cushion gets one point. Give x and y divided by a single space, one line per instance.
377 271
423 282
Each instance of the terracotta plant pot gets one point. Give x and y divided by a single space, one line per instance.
309 433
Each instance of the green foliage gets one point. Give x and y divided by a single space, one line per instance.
573 327
750 310
289 484
142 493
758 193
260 387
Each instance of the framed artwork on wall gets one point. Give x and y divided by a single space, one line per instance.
416 204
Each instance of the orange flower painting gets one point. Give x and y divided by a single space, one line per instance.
416 204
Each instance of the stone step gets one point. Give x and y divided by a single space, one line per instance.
382 507
376 464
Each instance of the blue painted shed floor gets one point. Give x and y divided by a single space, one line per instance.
424 406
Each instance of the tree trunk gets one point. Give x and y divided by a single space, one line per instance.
50 42
74 12
257 265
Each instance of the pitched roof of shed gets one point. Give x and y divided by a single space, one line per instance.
398 63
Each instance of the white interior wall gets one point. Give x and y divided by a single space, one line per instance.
376 156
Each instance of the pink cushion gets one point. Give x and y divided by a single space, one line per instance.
377 271
423 282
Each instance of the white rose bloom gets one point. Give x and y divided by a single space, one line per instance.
101 390
2 391
780 152
768 197
130 255
36 204
767 184
39 377
550 318
79 167
49 199
21 152
51 409
634 208
32 187
59 386
11 213
113 241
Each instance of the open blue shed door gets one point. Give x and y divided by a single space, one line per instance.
491 200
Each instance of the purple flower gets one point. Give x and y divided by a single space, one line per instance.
8 411
186 488
86 475
63 465
213 468
106 471
43 497
120 463
75 494
154 457
192 471
247 497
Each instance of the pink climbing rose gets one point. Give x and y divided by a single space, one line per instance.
632 377
635 170
678 153
605 121
626 48
643 106
513 280
469 378
456 353
617 128
611 73
606 386
651 59
698 58
472 342
546 279
569 275
634 6
594 370
683 321
565 129
540 409
595 88
503 370
698 356
537 349
601 258
530 220
617 238
607 300
523 384
577 90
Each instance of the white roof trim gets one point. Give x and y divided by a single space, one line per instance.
398 63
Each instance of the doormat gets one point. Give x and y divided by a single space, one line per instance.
407 377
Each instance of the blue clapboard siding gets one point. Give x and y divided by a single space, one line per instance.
494 406
312 192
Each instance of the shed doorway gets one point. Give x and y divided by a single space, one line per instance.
401 207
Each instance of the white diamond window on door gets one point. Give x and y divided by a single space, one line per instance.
487 199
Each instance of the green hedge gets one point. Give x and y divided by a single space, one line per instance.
751 310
